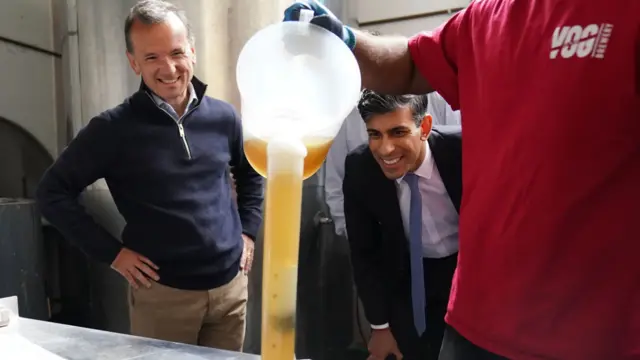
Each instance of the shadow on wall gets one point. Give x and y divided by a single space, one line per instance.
23 160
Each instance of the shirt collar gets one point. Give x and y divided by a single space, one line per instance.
426 168
193 98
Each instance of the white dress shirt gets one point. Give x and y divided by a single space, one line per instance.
439 216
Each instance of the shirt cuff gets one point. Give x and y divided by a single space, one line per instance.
380 327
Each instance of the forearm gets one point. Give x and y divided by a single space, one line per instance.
63 210
386 65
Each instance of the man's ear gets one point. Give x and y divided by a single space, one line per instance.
133 63
425 127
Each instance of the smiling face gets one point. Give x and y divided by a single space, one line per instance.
396 142
162 55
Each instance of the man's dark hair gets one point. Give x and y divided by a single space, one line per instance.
151 12
372 103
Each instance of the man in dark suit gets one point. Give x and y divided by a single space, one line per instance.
402 196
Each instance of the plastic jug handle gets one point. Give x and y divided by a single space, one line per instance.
306 15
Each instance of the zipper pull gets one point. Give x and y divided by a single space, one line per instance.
181 130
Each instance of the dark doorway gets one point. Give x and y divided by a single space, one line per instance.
23 160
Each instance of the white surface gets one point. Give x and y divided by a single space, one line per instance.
409 27
372 10
361 11
36 15
15 347
5 316
10 303
27 92
12 345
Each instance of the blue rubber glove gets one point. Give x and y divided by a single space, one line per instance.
323 18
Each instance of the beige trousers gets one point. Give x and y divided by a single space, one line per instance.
214 318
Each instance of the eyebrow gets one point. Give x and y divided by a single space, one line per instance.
172 51
397 128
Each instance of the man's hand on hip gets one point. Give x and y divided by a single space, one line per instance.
383 344
246 261
136 268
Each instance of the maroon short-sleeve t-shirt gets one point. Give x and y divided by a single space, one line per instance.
549 263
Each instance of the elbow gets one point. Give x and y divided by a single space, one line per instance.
44 200
50 196
43 191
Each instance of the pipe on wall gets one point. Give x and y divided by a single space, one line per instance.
72 56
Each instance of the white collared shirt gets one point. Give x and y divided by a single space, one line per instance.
439 216
193 99
352 134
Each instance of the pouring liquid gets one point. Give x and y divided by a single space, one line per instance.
282 238
317 148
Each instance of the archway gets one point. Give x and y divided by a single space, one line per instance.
23 161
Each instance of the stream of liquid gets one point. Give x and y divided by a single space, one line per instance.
281 242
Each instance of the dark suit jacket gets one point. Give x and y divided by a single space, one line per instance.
379 247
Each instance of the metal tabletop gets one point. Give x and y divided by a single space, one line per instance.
76 343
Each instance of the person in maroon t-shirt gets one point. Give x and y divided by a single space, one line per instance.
549 238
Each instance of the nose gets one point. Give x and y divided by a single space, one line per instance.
168 65
386 146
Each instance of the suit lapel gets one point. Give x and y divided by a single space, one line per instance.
443 163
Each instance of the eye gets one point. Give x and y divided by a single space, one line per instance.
399 133
374 136
150 58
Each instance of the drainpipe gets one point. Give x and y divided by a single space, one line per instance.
75 90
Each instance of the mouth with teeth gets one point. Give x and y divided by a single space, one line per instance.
169 81
391 163
392 167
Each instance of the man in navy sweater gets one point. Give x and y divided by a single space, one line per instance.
166 154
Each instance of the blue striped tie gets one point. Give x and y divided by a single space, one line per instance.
415 254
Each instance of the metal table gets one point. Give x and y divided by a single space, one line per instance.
76 343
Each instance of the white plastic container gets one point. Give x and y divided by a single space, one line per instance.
296 79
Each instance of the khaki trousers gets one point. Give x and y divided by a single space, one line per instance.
214 318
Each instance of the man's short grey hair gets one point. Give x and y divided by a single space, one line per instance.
151 12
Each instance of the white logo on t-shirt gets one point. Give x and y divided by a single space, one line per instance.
579 41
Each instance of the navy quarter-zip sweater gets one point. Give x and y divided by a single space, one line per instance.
177 201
